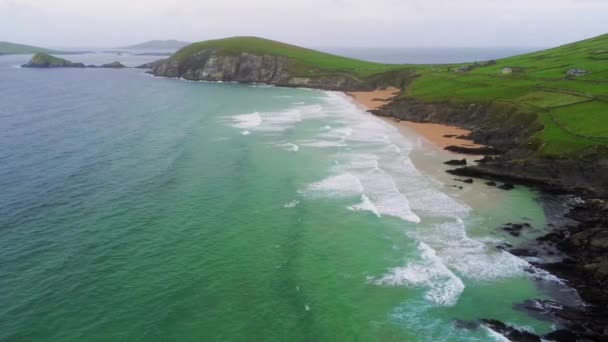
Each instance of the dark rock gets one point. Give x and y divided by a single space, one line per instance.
507 186
491 183
504 246
511 333
562 335
449 135
472 150
514 228
468 181
485 159
456 162
523 252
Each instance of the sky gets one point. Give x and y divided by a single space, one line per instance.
311 23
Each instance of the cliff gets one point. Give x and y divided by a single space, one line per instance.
257 60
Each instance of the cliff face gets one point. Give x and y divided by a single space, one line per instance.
506 129
209 65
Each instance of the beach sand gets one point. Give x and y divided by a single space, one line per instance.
440 135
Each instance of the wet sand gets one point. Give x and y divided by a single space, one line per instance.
440 135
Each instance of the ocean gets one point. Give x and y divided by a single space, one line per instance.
151 209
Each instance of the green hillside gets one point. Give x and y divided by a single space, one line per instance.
573 109
7 48
170 44
307 61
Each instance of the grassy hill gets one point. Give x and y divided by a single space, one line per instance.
573 110
170 44
7 48
307 61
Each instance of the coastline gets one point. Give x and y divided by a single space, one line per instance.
574 235
440 135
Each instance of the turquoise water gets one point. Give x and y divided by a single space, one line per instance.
142 209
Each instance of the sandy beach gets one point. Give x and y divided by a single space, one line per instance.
440 135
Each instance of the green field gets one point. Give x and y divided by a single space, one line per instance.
573 110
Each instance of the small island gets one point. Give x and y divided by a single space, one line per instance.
44 60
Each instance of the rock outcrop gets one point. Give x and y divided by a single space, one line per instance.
505 129
113 65
44 60
211 65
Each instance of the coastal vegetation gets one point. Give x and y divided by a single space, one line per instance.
564 88
7 48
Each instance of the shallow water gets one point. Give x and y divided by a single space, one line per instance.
142 208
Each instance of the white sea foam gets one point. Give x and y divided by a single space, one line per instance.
321 143
365 205
245 133
372 167
291 204
495 335
246 121
443 286
289 146
341 185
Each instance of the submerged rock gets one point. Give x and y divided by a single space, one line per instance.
507 186
44 60
472 150
456 162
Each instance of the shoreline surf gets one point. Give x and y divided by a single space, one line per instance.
439 134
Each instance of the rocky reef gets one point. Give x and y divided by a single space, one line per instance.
44 60
211 65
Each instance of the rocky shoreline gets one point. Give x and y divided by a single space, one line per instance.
575 250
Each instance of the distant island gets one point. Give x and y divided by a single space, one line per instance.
44 60
7 48
170 44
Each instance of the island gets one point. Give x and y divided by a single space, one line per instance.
44 60
170 44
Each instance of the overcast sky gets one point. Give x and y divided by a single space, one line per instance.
312 23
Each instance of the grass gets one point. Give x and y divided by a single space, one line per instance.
574 112
306 62
7 48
